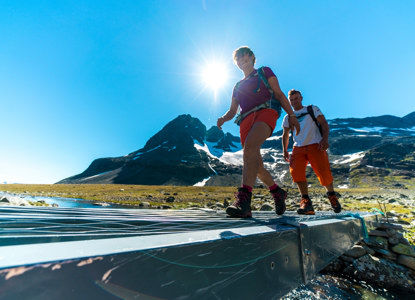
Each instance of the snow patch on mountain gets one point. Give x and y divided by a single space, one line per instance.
95 175
202 183
368 129
274 138
214 151
348 158
233 158
218 152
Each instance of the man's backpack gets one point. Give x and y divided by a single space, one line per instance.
310 112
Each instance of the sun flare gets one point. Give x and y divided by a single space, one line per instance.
215 75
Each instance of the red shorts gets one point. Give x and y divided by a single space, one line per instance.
269 116
318 160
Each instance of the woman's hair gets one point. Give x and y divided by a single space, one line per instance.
241 51
293 92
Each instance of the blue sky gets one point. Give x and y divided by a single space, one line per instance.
81 80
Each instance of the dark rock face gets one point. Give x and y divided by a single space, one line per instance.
185 153
227 142
410 119
340 145
178 133
168 158
399 154
214 135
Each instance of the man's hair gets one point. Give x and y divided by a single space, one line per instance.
241 51
293 92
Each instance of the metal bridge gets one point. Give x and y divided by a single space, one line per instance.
61 253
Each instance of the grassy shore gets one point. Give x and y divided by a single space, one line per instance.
179 197
183 195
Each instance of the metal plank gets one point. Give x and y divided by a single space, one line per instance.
153 254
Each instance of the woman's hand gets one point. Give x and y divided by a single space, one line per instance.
220 122
229 114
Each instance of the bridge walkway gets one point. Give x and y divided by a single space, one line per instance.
50 253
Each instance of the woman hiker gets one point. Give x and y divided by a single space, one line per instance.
251 94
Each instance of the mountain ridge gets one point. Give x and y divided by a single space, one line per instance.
184 152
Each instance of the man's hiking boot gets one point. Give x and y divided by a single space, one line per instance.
241 208
334 203
279 196
306 207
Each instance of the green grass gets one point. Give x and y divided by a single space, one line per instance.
190 196
125 194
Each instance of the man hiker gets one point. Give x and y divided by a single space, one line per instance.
310 146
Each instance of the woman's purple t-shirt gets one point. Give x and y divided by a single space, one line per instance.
246 94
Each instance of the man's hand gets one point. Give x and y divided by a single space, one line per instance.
220 122
286 155
294 124
323 145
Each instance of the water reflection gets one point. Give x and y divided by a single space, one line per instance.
68 202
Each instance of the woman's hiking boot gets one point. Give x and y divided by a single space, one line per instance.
334 201
241 208
279 196
306 207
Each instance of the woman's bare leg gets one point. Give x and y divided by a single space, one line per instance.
259 132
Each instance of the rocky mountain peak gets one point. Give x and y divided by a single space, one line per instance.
214 134
182 131
410 118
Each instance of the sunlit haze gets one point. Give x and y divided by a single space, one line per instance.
215 75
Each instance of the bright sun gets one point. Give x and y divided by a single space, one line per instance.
215 75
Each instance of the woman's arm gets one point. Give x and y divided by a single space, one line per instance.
229 114
285 104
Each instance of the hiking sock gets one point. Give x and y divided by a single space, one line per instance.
305 196
249 188
331 193
273 187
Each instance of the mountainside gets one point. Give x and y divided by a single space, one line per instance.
177 155
373 151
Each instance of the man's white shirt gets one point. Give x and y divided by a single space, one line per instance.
309 133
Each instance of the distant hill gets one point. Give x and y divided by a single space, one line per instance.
372 151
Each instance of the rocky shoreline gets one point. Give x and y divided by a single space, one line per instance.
385 259
18 201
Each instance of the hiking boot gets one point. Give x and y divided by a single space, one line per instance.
279 196
306 207
334 203
241 208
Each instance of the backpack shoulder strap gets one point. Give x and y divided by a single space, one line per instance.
237 84
261 74
311 112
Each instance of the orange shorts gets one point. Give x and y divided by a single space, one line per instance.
269 116
318 160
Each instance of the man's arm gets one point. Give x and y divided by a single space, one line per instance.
324 143
285 104
229 114
285 142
